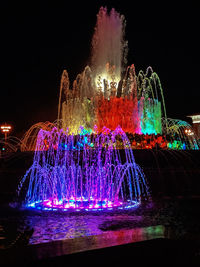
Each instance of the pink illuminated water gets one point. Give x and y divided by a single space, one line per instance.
83 172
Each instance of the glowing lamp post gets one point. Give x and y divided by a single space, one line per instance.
5 130
189 132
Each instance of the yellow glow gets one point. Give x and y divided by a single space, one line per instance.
5 128
99 81
189 132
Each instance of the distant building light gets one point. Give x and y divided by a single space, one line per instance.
195 118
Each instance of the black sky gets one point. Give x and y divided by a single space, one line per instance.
39 41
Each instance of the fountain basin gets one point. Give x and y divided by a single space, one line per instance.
81 204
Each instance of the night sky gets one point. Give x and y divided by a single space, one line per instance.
38 42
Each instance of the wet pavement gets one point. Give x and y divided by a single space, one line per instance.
170 218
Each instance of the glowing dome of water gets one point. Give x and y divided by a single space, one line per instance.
83 172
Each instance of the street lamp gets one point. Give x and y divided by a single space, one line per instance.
5 130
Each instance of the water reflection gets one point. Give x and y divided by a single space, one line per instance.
51 227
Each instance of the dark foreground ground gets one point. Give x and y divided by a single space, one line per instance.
156 252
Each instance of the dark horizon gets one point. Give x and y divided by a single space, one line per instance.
39 42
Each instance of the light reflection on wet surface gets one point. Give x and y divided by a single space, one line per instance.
65 227
52 226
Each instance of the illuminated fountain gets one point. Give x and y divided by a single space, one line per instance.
180 135
108 93
83 172
84 161
96 93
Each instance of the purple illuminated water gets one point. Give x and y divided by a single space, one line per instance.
83 172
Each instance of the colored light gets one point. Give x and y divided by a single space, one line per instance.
82 178
79 205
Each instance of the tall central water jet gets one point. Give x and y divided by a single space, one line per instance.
109 48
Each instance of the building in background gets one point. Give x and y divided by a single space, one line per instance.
196 123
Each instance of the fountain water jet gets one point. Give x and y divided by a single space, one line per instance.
109 48
83 172
108 93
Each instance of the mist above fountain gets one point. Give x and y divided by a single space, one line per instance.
109 47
